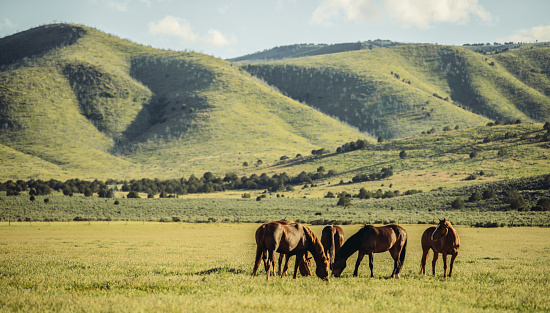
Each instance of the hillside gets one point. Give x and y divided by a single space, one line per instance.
93 105
304 50
402 91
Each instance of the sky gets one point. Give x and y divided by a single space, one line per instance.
231 28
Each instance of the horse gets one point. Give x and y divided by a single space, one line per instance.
291 239
443 239
332 239
304 266
369 240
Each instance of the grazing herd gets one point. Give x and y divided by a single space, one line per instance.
331 252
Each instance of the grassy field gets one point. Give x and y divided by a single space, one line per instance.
144 267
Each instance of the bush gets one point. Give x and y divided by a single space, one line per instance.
516 200
489 194
457 204
344 201
475 197
133 195
542 205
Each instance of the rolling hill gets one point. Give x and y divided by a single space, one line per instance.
402 91
87 104
76 102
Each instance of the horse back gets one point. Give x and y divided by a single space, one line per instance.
378 239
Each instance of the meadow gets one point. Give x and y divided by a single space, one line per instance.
175 267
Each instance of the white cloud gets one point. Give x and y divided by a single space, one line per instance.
540 33
358 10
6 24
409 13
180 28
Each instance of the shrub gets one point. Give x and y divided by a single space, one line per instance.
516 200
245 196
457 204
133 195
344 201
403 154
475 197
489 194
542 205
330 194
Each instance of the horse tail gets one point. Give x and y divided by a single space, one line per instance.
333 233
403 251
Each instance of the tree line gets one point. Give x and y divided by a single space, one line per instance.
208 183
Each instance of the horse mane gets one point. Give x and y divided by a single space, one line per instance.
453 235
318 251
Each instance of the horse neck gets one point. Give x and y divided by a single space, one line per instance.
453 236
350 246
317 250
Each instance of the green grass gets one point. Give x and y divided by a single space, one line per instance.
135 267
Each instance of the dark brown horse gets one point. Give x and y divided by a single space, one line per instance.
332 239
291 239
369 240
443 239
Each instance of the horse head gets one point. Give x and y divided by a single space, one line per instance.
316 249
441 230
338 266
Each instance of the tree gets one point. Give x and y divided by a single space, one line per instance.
133 194
516 200
380 139
344 201
403 154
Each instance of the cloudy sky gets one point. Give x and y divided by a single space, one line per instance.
230 28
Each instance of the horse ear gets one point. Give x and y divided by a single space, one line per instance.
444 220
440 219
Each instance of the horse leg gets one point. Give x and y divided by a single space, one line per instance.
453 257
259 256
395 252
423 261
270 261
434 261
285 268
444 265
359 259
280 262
299 257
371 264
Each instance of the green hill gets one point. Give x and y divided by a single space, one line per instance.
402 91
80 103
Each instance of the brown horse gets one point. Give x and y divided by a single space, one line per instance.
291 239
369 240
304 266
332 239
443 239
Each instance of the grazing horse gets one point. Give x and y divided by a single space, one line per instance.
291 239
369 240
443 239
332 239
304 266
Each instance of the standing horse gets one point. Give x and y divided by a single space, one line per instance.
291 239
369 240
332 239
443 239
